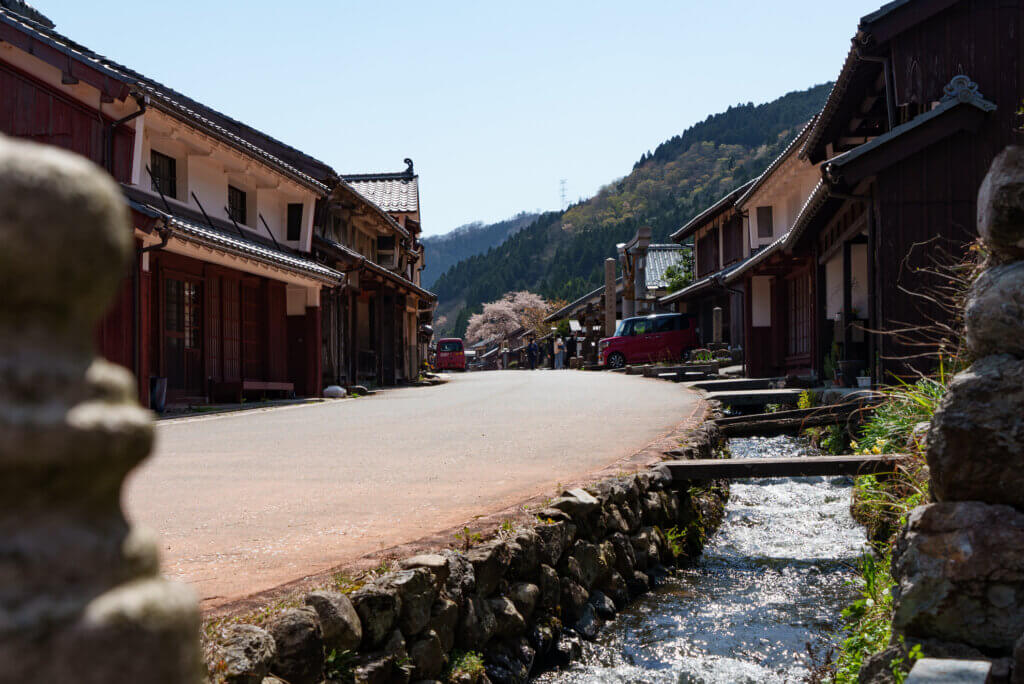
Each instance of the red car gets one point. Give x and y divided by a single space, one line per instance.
661 337
451 354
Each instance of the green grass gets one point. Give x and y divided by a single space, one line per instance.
468 663
881 503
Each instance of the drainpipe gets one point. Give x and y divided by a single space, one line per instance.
142 101
890 95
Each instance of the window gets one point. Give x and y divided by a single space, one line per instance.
236 204
765 229
294 221
668 324
643 326
164 173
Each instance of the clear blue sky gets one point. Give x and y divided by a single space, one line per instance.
495 102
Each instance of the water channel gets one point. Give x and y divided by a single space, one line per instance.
772 581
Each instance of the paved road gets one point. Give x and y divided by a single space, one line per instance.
246 502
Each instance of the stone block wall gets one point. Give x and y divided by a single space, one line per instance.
959 562
524 601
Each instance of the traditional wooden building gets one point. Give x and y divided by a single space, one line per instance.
223 297
720 245
765 294
927 97
377 326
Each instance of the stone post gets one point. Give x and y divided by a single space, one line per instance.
81 599
959 562
716 325
609 297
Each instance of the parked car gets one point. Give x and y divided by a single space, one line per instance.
649 339
451 354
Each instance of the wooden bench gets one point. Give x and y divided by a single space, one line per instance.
236 390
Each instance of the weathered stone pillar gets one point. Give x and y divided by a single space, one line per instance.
959 562
716 325
609 297
81 599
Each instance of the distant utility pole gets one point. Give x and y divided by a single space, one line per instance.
562 185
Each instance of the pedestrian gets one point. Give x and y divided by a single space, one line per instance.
559 353
532 350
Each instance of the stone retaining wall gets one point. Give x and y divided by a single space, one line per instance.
523 600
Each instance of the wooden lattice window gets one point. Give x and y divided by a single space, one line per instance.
799 329
707 254
732 241
236 204
765 225
164 173
294 221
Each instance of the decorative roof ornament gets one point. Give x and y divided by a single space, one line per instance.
408 168
961 89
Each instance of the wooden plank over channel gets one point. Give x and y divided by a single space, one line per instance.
702 470
783 422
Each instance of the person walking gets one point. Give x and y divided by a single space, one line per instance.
559 353
532 350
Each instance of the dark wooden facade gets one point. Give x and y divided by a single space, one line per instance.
35 111
919 189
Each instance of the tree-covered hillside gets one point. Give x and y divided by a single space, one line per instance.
443 251
560 255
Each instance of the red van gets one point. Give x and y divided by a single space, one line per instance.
649 339
451 354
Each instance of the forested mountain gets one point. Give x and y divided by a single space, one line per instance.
560 255
443 251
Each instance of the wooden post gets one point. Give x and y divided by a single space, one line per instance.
716 325
81 598
609 297
847 298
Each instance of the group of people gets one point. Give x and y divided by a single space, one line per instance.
557 349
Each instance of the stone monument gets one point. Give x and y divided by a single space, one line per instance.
81 599
959 562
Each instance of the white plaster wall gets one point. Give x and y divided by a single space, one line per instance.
761 302
834 282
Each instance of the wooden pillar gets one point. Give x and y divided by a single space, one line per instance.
609 297
313 356
353 335
847 298
821 338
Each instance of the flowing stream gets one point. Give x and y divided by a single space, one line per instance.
772 581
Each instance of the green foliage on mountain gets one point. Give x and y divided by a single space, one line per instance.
561 254
444 251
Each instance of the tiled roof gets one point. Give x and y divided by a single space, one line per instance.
721 205
211 236
706 283
659 258
390 192
960 91
369 264
235 133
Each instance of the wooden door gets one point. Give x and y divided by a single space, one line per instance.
183 334
253 348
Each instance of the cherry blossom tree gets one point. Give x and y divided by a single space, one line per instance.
508 314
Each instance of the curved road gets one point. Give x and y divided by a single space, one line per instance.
245 502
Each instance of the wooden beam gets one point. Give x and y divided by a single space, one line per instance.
790 422
703 470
